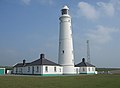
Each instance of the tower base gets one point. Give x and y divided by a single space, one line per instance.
68 70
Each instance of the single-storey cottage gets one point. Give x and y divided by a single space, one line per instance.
85 68
40 66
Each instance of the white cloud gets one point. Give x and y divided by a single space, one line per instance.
88 10
116 4
92 12
27 2
101 34
106 8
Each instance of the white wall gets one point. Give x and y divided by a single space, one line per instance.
38 69
28 70
59 69
87 70
76 70
32 69
9 71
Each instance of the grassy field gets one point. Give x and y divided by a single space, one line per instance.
83 81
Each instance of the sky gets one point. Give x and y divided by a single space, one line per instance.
31 27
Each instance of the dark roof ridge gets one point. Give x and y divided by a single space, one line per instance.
40 61
84 64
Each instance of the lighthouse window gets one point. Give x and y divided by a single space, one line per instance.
59 42
63 51
64 11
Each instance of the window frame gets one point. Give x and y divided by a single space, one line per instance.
83 69
89 69
55 69
28 69
37 69
46 68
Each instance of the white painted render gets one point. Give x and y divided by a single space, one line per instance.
38 70
86 70
51 69
66 55
76 70
9 72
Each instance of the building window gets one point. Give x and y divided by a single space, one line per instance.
46 69
21 70
80 69
88 69
28 69
92 69
55 70
83 69
60 69
37 69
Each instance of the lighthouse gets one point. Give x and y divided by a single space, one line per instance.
66 53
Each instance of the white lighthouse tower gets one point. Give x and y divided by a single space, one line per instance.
66 55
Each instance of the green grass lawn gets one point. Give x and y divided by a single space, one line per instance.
83 81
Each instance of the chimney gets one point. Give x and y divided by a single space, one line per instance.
42 56
24 62
83 60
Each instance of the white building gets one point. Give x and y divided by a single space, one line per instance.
66 53
85 68
40 66
65 64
